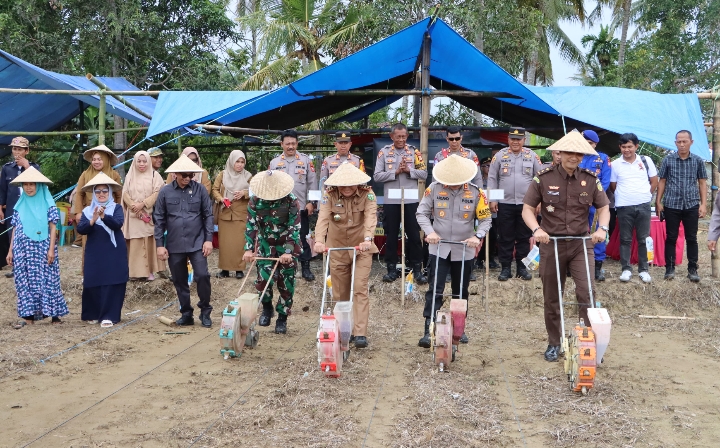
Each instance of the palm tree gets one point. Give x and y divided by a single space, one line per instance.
296 36
538 67
604 48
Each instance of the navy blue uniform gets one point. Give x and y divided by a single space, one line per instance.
600 165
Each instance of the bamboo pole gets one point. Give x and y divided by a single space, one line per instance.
715 257
84 132
82 92
118 97
425 111
101 120
414 92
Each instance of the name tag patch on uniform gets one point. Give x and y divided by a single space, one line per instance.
553 187
550 208
553 193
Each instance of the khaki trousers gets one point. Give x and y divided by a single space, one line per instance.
341 274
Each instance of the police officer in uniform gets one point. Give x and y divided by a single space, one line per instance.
454 139
301 169
565 193
347 218
401 166
9 194
454 203
492 233
333 162
600 165
512 169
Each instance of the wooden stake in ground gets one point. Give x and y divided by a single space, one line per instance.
644 316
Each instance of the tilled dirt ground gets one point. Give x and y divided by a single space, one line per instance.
138 386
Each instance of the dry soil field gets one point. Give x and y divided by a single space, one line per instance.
138 386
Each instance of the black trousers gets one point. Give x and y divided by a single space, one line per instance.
613 220
178 268
689 219
306 255
455 269
391 225
513 234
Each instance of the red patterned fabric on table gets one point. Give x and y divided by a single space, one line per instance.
658 234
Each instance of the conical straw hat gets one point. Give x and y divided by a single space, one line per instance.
573 141
347 175
101 179
184 165
87 155
455 170
31 175
272 185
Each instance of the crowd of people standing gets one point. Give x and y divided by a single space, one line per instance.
139 228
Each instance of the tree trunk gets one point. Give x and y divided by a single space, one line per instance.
627 4
404 109
533 63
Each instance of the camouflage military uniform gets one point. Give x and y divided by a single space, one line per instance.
274 227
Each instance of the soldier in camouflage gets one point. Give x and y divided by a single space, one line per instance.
273 231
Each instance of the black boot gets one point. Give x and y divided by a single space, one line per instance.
506 272
670 268
552 353
223 274
480 265
599 274
205 320
185 320
692 272
424 341
267 314
392 274
522 271
281 324
494 264
306 272
420 278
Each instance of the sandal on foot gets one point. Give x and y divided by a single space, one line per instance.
91 322
106 324
56 320
19 324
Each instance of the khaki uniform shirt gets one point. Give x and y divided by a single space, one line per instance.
463 152
454 213
301 169
333 162
513 173
565 199
345 222
387 162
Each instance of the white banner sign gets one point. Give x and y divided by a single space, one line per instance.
410 193
314 195
496 195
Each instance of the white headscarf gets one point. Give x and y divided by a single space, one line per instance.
109 209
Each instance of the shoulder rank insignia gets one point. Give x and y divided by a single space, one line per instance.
536 179
427 191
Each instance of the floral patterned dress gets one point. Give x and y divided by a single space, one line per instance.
37 283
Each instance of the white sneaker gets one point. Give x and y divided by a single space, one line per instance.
645 277
625 276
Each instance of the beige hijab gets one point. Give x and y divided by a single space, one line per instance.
197 177
139 186
232 180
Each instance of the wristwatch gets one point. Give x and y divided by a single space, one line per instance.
367 238
605 228
535 230
288 251
479 235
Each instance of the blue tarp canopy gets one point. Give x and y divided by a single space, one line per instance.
457 65
39 112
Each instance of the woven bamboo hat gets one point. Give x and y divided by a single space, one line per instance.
31 175
87 155
272 185
455 170
347 175
184 165
102 179
573 141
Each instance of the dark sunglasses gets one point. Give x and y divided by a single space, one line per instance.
102 191
485 166
184 175
454 139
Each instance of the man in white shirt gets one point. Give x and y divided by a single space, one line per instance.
634 180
